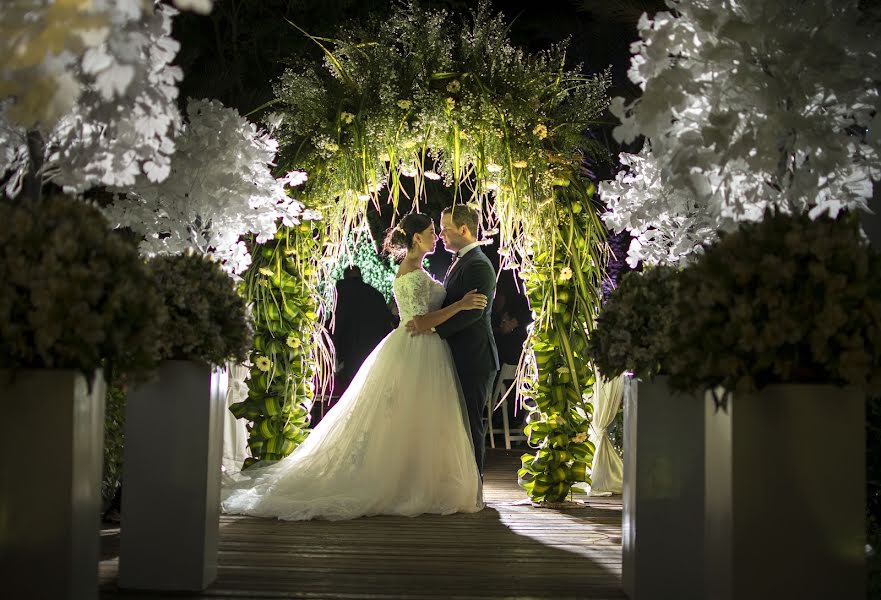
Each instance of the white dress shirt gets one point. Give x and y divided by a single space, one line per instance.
465 250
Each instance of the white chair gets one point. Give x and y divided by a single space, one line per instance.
507 373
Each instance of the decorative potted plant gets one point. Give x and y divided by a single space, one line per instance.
781 322
75 302
663 437
174 435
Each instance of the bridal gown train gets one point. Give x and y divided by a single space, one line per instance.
396 443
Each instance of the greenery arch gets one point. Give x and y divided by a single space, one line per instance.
422 95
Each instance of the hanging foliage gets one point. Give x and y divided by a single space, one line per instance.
289 342
423 95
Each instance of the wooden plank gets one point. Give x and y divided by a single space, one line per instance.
510 549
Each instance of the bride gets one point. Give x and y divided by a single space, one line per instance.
398 441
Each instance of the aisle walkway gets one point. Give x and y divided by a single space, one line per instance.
508 550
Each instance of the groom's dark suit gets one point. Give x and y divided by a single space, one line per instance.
470 336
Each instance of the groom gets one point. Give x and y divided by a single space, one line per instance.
469 332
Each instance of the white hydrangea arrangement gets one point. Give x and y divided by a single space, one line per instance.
667 223
88 90
220 186
748 105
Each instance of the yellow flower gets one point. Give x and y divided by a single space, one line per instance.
454 86
405 104
565 274
263 363
451 103
540 131
266 271
293 342
580 437
520 164
384 157
332 147
347 117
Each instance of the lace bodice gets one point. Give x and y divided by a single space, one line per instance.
417 293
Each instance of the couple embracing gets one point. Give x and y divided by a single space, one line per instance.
407 437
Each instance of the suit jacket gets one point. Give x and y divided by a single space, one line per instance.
469 332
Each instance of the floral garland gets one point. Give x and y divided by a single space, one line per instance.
564 288
289 342
421 96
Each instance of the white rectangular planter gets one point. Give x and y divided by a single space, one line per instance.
51 454
663 520
786 489
171 479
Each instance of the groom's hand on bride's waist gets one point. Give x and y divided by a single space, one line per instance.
416 327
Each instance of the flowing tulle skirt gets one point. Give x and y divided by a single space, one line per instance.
396 443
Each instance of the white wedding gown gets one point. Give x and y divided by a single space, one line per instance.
396 443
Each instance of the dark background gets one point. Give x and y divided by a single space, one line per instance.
235 53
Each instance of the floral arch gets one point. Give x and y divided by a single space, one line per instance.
421 96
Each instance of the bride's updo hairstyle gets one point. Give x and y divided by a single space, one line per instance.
399 238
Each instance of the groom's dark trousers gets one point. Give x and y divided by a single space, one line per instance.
470 336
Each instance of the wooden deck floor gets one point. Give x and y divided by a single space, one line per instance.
509 550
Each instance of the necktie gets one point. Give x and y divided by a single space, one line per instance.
450 270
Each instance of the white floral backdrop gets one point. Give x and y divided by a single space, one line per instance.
88 91
219 187
96 82
748 105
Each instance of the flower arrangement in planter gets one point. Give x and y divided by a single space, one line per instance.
207 317
781 321
784 300
207 326
633 329
73 294
76 302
